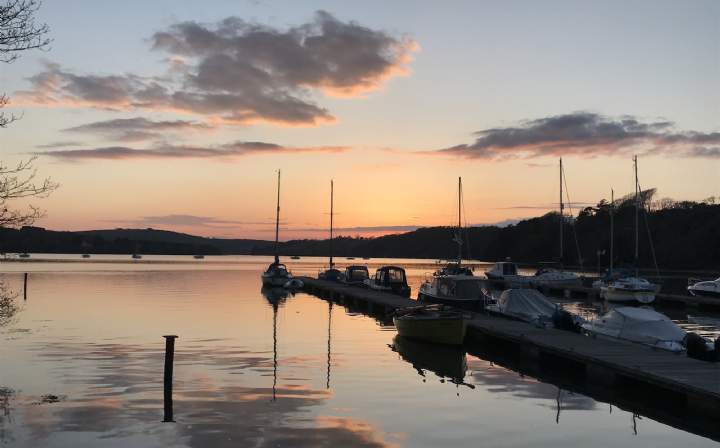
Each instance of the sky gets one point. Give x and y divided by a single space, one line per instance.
177 115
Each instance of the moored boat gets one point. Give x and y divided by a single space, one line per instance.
86 255
136 256
705 288
355 275
506 271
553 277
531 306
630 289
198 257
389 279
638 325
433 323
331 274
276 273
462 291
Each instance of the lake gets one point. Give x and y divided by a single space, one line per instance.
81 364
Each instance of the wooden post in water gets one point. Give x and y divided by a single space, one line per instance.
169 360
25 286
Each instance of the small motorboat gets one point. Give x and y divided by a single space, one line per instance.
276 274
705 288
506 271
356 275
349 258
366 258
295 257
630 289
531 306
86 255
638 325
432 323
136 256
24 255
462 291
198 257
390 279
554 278
610 275
332 274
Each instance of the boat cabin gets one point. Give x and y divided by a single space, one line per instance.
356 274
277 269
332 274
459 287
503 269
454 269
391 278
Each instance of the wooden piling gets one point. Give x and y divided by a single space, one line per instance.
168 378
25 286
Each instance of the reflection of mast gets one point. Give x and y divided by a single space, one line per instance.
559 406
275 360
635 418
327 385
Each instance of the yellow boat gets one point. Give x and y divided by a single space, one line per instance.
433 323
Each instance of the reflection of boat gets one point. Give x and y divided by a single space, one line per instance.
462 291
276 274
355 275
639 325
331 274
707 289
529 305
274 295
432 323
445 361
389 279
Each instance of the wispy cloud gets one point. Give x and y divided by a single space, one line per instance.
167 151
586 134
60 144
137 129
181 220
240 72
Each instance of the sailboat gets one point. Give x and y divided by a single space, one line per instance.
454 284
634 288
331 273
554 277
276 274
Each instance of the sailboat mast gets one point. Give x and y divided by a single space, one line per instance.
277 222
612 227
562 209
637 218
459 231
331 224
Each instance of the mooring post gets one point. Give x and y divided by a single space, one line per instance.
169 359
25 286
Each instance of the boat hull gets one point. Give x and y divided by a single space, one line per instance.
449 331
275 280
704 293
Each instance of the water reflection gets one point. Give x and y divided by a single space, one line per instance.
445 361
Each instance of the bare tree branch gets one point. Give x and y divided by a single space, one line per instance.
18 182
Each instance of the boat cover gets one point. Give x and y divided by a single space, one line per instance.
526 304
641 325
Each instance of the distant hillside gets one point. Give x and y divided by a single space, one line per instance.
685 235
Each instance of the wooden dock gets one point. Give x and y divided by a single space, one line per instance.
690 384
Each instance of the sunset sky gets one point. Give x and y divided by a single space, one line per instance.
176 115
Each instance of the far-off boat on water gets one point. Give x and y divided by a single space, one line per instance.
276 273
432 323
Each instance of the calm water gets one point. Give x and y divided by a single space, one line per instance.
81 364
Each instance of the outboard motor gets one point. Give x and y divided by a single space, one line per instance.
697 348
562 320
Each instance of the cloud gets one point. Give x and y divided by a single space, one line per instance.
240 72
136 129
168 151
586 134
60 144
187 220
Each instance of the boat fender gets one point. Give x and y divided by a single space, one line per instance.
697 348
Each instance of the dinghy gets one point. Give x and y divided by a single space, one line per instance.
431 323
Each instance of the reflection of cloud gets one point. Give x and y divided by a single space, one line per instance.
120 399
240 72
169 151
586 134
135 129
